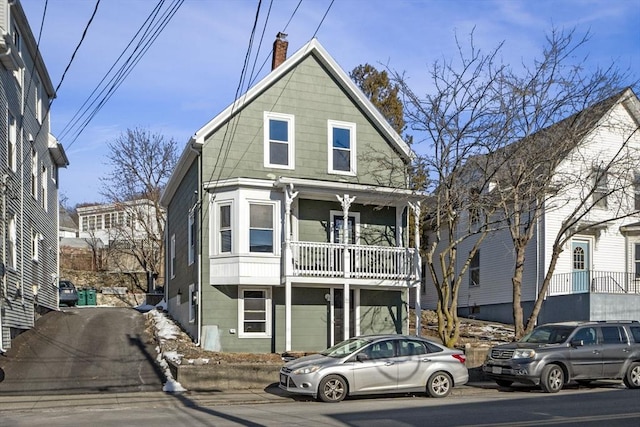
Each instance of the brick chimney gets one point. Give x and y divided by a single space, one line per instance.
279 50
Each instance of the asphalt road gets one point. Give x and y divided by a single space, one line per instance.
81 350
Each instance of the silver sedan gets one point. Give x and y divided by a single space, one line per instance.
376 364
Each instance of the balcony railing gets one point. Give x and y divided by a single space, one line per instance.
602 282
314 259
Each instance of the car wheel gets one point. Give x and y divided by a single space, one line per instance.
552 378
333 389
504 383
632 377
439 385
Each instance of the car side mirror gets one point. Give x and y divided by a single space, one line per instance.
577 343
361 357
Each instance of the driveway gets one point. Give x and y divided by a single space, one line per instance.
82 350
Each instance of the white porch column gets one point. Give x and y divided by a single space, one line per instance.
287 314
289 195
418 264
345 310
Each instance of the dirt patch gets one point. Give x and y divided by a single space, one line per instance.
472 332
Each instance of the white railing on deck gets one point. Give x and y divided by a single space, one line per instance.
598 282
314 259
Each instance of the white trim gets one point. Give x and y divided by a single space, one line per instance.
351 127
241 333
191 248
172 258
290 142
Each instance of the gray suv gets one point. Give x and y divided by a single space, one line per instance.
556 353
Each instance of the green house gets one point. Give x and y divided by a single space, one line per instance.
287 216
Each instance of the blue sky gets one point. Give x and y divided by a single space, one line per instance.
192 70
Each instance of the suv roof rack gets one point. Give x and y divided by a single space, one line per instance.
617 321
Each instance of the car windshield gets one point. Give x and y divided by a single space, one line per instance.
345 348
552 334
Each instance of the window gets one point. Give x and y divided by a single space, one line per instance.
260 228
636 191
601 188
278 141
34 172
636 260
173 256
13 238
12 143
37 89
192 237
43 187
17 42
613 335
342 147
474 270
193 301
474 206
35 242
225 229
255 311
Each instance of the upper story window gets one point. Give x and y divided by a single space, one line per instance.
35 243
342 147
44 187
636 191
37 88
279 141
34 173
261 227
601 188
192 237
225 231
13 239
12 142
172 256
474 270
17 42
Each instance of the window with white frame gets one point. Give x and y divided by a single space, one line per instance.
279 147
13 239
601 187
260 227
474 270
17 42
37 89
43 187
193 301
34 173
254 312
636 191
172 256
224 228
35 243
12 142
636 260
192 237
342 147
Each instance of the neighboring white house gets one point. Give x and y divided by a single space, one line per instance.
29 161
597 276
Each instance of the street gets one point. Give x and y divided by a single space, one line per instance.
611 405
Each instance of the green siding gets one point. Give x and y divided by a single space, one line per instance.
383 312
377 225
313 97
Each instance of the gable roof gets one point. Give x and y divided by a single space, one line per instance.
314 48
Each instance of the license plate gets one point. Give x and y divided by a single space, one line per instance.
283 379
496 370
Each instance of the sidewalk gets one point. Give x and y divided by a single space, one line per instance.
271 394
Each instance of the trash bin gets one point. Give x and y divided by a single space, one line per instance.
82 297
91 296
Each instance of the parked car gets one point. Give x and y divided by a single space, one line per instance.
376 364
554 354
68 293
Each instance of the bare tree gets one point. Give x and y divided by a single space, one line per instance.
493 158
550 108
141 163
461 123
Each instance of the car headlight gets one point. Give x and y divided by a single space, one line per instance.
306 370
524 354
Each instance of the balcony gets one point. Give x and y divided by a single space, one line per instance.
335 260
590 281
